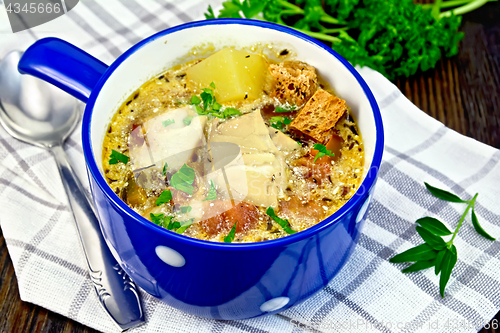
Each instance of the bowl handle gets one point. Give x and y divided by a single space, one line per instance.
63 65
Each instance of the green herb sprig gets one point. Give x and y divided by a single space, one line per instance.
184 225
207 105
285 108
322 151
164 221
435 251
183 179
279 122
394 37
212 192
285 224
116 157
168 222
165 167
230 236
164 197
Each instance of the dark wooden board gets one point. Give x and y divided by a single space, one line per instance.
463 92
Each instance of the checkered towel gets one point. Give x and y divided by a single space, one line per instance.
369 294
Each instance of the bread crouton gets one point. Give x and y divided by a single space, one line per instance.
295 82
319 116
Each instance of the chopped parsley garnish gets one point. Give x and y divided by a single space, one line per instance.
286 108
195 100
164 197
322 151
230 236
207 105
117 156
228 112
183 179
165 169
164 221
184 226
157 218
283 223
172 224
279 122
187 121
185 209
168 122
212 192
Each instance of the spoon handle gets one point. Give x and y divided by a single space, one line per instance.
116 291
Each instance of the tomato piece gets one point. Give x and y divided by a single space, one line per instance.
334 145
315 172
246 215
301 208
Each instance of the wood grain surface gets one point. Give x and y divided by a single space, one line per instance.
463 92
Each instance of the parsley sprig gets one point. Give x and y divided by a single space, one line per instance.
183 179
164 197
279 122
168 222
322 151
230 236
116 157
207 105
435 251
212 192
394 37
285 224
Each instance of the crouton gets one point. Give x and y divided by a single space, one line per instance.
295 82
318 116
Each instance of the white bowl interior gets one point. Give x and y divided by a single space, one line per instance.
169 50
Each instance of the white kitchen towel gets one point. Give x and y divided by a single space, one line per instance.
369 294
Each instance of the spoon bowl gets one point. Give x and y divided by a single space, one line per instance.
35 112
32 110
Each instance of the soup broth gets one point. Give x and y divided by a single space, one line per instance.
235 147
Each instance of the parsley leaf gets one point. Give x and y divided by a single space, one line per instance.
285 108
173 224
164 221
117 156
210 105
195 100
164 197
283 223
185 209
322 151
212 192
394 37
230 236
279 122
184 226
157 218
183 179
228 112
165 169
168 122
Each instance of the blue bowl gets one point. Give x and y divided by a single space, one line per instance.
212 280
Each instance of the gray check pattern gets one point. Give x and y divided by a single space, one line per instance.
369 294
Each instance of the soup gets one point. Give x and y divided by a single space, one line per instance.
236 147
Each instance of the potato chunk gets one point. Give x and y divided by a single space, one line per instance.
236 74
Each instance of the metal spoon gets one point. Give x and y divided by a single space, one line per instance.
35 112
